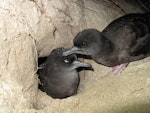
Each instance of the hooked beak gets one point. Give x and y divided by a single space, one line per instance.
77 64
74 50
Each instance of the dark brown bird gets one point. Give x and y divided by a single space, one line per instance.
59 77
124 40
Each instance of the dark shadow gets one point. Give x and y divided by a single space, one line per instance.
85 68
41 64
84 56
41 60
145 5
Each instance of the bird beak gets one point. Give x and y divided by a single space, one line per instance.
74 50
77 64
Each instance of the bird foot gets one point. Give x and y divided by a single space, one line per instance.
119 68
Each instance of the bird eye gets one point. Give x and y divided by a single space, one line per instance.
70 59
83 44
66 61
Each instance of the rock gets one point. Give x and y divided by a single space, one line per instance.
18 80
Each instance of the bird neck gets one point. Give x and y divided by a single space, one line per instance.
104 56
107 49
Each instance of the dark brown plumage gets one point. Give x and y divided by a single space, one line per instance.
59 77
124 40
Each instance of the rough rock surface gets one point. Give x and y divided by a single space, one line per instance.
32 28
